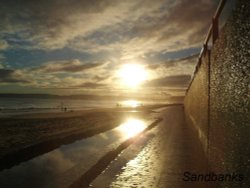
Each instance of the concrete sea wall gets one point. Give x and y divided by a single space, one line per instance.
217 103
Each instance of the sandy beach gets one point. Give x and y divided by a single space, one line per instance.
26 136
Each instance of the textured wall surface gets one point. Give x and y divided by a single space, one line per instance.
230 96
229 128
196 102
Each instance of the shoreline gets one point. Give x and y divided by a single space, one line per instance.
56 112
24 137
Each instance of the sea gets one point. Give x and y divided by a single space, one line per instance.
34 105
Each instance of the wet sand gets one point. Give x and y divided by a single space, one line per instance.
160 158
26 136
105 160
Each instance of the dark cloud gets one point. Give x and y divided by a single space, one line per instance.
188 17
183 24
66 66
91 85
100 78
48 14
56 23
170 81
183 61
173 63
182 66
153 66
3 45
50 24
11 76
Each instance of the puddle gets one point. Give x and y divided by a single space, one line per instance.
63 165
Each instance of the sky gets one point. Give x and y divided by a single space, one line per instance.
78 47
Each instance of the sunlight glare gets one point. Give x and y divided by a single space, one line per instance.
132 127
131 103
132 75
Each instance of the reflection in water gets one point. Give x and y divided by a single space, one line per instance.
60 167
132 127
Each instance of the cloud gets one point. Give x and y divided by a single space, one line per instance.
177 81
91 85
3 45
93 77
74 74
186 61
2 65
12 76
72 66
154 30
85 85
2 57
70 74
133 27
183 66
100 78
64 74
110 32
61 22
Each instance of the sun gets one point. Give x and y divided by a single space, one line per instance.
132 75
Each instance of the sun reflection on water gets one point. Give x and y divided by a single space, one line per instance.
131 103
132 127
